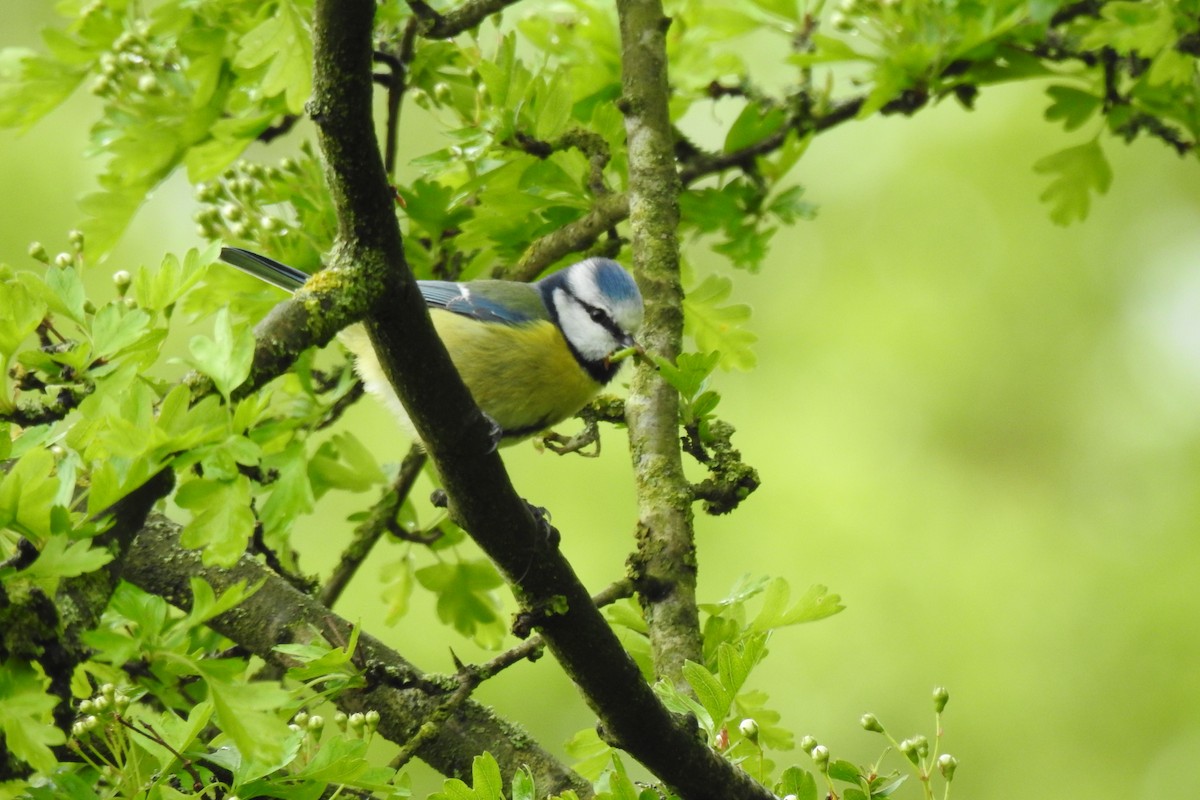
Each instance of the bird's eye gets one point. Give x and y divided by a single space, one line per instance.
596 314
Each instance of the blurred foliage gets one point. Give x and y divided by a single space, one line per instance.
92 405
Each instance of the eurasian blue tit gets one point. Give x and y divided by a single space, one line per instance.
531 354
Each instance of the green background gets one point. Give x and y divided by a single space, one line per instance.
980 429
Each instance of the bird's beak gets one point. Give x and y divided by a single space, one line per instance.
631 348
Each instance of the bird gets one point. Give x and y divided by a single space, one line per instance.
531 354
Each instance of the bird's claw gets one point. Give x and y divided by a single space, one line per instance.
541 518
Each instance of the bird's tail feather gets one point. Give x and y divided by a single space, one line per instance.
267 269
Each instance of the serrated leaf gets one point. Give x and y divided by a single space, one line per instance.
341 759
226 358
590 754
798 782
160 288
248 712
206 604
465 599
25 715
32 85
709 691
752 125
486 779
291 493
681 703
1077 172
716 327
221 518
689 372
63 558
1127 27
27 495
114 328
178 733
397 589
22 313
67 293
283 43
523 785
1073 106
816 604
842 770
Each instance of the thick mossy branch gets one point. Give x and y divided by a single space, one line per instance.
278 613
665 564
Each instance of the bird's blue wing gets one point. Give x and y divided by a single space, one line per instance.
486 301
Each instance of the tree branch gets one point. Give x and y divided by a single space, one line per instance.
665 562
379 521
462 18
277 613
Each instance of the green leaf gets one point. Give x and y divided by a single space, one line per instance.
709 691
22 313
590 754
681 703
798 782
344 463
221 518
816 604
32 85
1077 172
25 715
341 759
785 9
523 787
1129 27
158 289
27 494
322 660
206 604
397 580
283 43
689 372
465 598
486 779
179 733
843 770
291 493
115 327
1073 106
227 357
248 712
67 293
63 558
754 124
717 327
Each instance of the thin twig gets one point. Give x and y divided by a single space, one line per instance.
379 521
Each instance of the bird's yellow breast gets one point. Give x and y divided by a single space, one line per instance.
522 376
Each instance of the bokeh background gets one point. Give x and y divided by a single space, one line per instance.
981 430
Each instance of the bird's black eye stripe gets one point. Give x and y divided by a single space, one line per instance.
601 318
